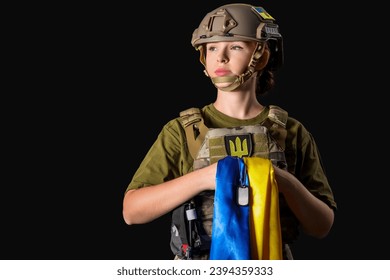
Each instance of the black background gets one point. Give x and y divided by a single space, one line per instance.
93 85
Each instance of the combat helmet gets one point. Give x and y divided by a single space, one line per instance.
240 22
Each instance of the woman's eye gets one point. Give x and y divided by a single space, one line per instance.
236 48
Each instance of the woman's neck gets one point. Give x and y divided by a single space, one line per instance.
238 104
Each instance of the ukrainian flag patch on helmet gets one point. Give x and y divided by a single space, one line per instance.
263 13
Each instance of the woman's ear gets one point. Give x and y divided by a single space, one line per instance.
263 60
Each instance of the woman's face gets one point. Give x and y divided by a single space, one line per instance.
228 58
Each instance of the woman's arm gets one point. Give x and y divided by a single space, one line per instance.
315 216
148 203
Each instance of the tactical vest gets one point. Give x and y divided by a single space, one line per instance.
191 225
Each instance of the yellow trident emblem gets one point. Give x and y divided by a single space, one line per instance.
238 145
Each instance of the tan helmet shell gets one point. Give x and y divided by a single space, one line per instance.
239 22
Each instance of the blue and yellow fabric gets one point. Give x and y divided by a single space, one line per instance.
251 231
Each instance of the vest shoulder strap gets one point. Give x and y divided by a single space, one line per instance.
278 115
276 123
192 121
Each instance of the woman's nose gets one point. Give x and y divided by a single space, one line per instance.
222 58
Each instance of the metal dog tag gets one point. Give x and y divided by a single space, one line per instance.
242 194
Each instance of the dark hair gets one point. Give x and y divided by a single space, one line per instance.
266 79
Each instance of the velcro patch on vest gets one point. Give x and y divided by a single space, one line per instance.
244 141
239 145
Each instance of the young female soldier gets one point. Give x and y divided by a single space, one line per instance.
240 47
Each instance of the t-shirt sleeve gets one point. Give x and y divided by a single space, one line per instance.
308 166
166 159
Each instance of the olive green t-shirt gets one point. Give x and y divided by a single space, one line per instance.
169 158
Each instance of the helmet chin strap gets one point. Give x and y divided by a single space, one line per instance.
236 81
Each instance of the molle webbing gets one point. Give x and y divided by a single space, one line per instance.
246 141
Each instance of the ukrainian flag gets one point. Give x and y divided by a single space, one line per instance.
251 231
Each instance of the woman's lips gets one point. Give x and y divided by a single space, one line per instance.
221 72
